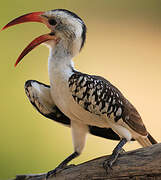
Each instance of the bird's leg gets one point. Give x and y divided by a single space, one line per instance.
118 149
63 164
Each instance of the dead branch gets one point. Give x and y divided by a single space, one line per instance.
140 164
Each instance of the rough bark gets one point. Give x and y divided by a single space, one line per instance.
140 164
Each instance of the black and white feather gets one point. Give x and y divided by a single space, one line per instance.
39 96
96 95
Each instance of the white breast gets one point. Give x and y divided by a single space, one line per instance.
59 72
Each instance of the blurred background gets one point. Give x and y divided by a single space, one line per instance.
123 45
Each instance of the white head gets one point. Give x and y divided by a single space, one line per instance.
67 27
68 31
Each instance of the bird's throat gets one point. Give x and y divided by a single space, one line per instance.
60 66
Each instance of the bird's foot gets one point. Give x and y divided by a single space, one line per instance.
108 163
58 170
53 172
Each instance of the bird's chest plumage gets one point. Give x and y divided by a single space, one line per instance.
62 95
59 74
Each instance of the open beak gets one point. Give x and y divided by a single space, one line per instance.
31 17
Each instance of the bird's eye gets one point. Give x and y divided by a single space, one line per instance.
52 22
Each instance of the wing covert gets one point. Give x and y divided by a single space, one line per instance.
96 95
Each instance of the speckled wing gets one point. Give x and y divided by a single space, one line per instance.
97 95
39 96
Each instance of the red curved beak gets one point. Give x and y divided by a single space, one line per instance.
37 41
31 17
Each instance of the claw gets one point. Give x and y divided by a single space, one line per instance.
50 173
107 167
108 163
62 165
54 172
58 170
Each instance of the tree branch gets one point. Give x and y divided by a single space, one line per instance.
144 163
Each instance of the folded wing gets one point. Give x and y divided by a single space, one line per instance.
39 96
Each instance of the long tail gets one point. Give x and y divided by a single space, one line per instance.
146 141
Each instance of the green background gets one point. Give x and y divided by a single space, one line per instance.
123 45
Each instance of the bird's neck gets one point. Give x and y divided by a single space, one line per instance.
60 65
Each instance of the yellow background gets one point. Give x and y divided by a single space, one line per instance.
123 45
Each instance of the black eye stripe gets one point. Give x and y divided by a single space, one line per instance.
52 22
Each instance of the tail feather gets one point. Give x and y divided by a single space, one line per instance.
146 141
151 139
